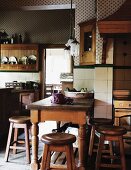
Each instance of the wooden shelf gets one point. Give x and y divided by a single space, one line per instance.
18 51
18 67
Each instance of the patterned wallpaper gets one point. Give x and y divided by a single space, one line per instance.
50 26
107 7
85 10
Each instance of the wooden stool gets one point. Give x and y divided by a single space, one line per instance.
59 142
111 133
94 123
18 122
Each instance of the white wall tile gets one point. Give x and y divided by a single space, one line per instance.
101 73
100 112
101 99
84 74
17 76
109 98
89 84
110 73
109 86
100 86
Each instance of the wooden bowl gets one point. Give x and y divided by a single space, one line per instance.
78 95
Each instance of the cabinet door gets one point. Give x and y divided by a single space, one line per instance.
122 51
9 106
26 98
88 43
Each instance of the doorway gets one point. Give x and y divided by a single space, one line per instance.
55 63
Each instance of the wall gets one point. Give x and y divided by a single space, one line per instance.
33 25
83 11
102 77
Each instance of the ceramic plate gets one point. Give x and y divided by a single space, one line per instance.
4 60
12 60
23 60
32 57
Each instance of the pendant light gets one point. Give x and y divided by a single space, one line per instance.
72 45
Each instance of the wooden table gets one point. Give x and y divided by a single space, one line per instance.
44 110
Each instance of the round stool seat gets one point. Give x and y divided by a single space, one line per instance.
58 138
101 121
19 119
112 130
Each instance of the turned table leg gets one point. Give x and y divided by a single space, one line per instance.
34 160
82 146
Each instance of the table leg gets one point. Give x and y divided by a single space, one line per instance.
34 161
82 146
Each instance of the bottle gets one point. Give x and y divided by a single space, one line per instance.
12 39
20 39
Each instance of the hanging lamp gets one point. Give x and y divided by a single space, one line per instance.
72 45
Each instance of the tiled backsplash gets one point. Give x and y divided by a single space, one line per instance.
20 77
103 92
84 78
100 81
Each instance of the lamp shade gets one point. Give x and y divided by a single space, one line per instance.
74 48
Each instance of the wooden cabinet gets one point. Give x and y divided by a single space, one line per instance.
122 63
122 51
9 106
26 98
20 51
12 103
88 42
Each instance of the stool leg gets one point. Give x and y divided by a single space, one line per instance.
111 150
69 157
72 157
46 157
122 154
99 151
8 142
15 139
27 143
91 141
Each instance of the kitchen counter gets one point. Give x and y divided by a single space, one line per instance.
24 90
5 90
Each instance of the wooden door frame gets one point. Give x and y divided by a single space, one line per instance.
42 64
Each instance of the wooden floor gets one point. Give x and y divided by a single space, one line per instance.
18 161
